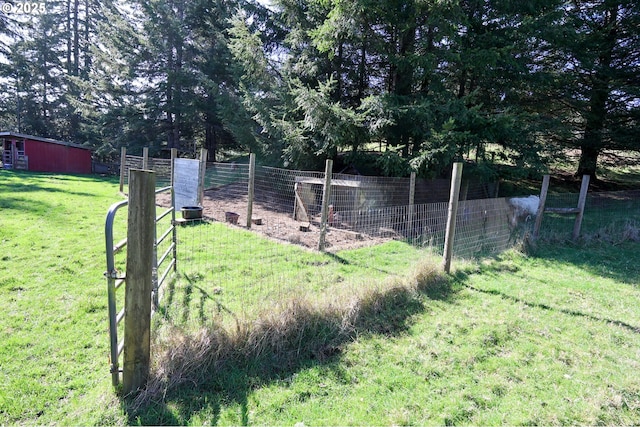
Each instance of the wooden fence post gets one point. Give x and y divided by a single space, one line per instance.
174 156
326 194
412 195
123 166
543 201
456 178
140 242
251 189
202 171
581 202
145 158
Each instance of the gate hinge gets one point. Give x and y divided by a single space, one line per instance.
113 274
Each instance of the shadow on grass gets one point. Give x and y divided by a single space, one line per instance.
620 262
541 306
341 260
462 277
201 373
35 182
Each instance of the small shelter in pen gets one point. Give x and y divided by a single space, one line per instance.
34 153
346 196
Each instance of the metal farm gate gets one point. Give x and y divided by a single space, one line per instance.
116 279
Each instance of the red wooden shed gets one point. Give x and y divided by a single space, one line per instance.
33 153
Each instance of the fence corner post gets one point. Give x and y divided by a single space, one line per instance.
174 156
140 249
456 178
145 158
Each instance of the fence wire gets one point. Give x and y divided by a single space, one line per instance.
608 216
162 168
235 267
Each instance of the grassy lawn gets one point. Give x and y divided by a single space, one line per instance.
228 273
550 338
546 339
53 326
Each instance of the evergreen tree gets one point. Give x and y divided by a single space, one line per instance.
596 64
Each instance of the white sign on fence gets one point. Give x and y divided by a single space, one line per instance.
186 180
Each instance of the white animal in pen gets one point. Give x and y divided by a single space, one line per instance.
523 209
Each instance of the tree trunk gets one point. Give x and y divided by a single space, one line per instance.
403 80
593 141
362 69
69 32
210 140
588 161
87 45
76 39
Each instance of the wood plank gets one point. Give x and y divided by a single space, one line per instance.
299 205
563 211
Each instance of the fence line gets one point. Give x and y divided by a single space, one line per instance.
230 273
234 273
366 206
610 216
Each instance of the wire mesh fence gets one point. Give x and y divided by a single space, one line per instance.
287 205
484 228
162 168
236 265
609 216
253 259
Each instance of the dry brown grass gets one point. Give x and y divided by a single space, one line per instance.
281 337
631 232
614 234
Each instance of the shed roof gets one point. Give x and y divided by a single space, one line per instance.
39 138
334 182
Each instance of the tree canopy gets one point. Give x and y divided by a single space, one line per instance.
399 85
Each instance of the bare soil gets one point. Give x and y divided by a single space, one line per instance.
277 224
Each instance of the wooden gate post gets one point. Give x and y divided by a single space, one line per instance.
326 194
145 158
456 178
137 303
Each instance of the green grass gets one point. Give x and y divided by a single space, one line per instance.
228 273
545 339
550 338
53 327
613 217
